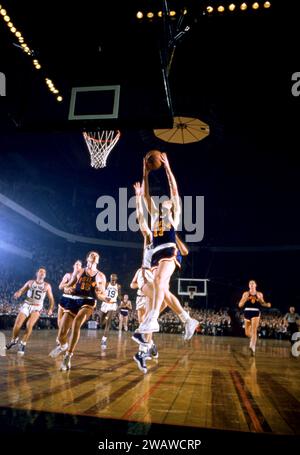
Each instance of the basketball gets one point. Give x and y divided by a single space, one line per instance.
153 160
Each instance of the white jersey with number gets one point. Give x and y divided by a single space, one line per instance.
112 292
36 293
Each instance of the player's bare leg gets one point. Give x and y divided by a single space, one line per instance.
161 284
31 321
172 302
254 327
21 318
62 337
82 316
106 319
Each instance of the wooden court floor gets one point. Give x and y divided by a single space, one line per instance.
209 382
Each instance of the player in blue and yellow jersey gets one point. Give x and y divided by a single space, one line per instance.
78 303
252 301
164 222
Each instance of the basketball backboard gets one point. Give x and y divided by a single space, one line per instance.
197 287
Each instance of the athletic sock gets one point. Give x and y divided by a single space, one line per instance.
184 316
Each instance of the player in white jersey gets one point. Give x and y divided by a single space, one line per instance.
30 311
108 309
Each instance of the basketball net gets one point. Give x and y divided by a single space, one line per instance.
192 295
100 144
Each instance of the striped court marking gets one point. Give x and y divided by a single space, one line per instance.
279 396
74 381
147 395
254 417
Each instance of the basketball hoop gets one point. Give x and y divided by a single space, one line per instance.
100 144
192 291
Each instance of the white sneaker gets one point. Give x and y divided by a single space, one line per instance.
58 350
190 327
66 363
149 326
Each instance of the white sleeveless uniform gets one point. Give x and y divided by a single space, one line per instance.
34 298
112 292
144 275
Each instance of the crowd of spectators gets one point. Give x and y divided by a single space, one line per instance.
211 322
58 257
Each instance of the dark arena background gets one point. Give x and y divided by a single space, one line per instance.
215 86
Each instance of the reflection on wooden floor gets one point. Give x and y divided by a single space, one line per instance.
211 382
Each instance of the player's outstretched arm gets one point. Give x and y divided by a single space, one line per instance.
170 176
134 282
173 190
144 228
64 282
51 299
150 205
68 289
262 300
23 289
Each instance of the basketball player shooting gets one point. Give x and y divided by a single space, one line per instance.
164 223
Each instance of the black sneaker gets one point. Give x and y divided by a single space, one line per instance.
140 359
154 351
139 338
21 349
12 343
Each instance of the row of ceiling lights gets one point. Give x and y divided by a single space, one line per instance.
209 9
25 47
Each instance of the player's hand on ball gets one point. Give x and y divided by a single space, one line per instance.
165 160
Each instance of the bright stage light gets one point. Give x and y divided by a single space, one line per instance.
139 15
59 98
244 6
231 7
221 9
